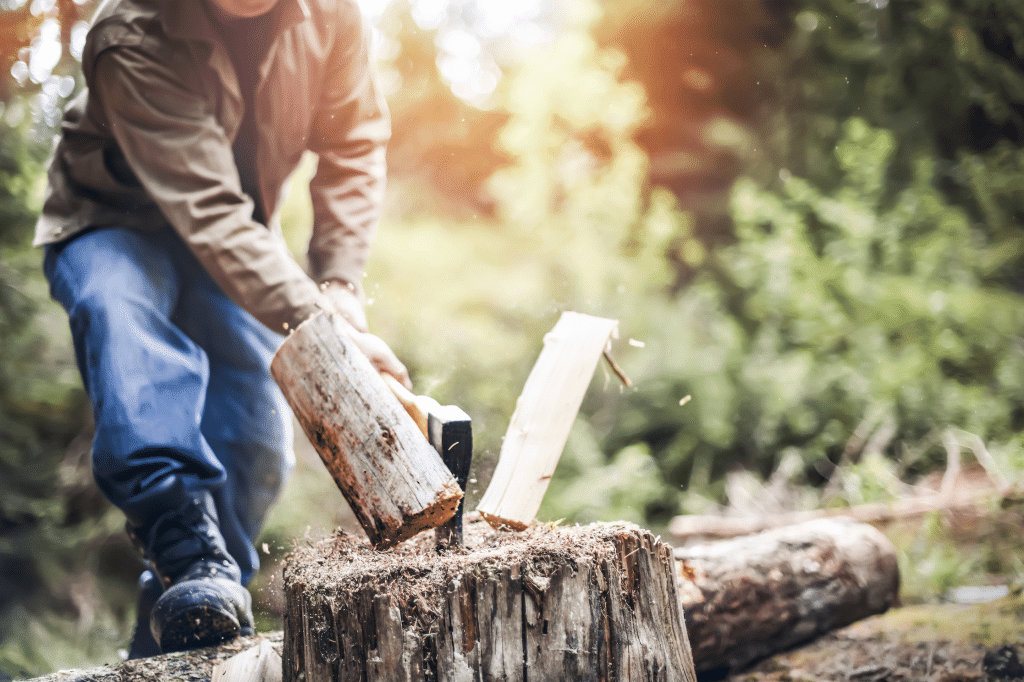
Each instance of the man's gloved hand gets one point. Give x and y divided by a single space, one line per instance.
346 303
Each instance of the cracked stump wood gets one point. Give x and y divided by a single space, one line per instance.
394 480
549 605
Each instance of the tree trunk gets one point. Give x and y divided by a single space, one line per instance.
751 597
391 476
592 603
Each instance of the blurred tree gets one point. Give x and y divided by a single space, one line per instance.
946 77
55 529
706 66
60 547
439 142
17 28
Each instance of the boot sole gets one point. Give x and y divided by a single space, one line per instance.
197 627
198 613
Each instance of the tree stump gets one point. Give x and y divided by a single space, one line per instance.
582 603
755 596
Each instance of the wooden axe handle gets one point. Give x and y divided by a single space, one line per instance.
418 406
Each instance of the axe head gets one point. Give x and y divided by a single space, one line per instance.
450 431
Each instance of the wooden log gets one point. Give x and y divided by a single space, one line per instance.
751 597
552 604
181 666
544 414
395 482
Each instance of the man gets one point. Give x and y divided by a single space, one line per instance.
162 244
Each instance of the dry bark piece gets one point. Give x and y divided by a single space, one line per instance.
543 417
257 664
755 596
583 603
393 479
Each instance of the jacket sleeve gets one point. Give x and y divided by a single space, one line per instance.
350 133
182 157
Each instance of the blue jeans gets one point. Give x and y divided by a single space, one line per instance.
178 377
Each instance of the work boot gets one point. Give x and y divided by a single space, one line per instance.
203 601
143 645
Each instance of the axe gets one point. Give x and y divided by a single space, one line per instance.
450 431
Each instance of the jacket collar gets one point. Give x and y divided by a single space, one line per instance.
190 19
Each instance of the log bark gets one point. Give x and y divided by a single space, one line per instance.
395 482
752 597
544 414
183 666
592 603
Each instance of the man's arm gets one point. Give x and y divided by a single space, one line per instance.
183 159
350 132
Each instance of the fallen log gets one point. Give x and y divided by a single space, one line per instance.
685 528
751 597
581 603
183 666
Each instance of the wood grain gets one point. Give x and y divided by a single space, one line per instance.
256 664
544 414
751 597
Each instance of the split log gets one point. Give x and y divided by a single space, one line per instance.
544 415
752 597
591 603
394 480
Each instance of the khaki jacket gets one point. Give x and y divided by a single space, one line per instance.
149 143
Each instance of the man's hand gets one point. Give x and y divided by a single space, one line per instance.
345 302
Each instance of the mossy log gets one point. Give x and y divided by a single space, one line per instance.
550 604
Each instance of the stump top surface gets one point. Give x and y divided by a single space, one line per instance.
344 562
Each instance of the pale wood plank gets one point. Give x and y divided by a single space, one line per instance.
543 417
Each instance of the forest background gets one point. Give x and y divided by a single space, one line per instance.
805 215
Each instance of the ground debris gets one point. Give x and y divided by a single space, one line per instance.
859 655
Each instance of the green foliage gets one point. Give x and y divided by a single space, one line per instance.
830 315
59 561
947 78
466 304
